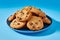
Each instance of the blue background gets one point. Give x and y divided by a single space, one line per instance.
50 7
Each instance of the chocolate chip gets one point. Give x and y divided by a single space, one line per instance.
33 26
26 16
14 21
20 18
27 12
18 23
42 17
39 20
17 17
36 23
31 23
38 27
22 13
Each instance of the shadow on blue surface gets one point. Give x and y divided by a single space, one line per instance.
54 27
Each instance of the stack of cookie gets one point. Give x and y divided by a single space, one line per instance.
32 17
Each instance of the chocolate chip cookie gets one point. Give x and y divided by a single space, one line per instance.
23 15
17 24
12 17
35 23
46 20
38 12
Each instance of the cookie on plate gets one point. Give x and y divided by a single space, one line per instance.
35 23
17 24
38 12
46 20
23 15
11 17
28 8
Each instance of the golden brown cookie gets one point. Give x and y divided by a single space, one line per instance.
23 15
11 17
38 12
17 24
35 23
28 8
46 20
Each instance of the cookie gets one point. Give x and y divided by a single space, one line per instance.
23 15
35 23
11 17
38 12
46 20
28 8
17 24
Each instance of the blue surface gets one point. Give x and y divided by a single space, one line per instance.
50 7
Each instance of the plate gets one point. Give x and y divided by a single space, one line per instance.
26 30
